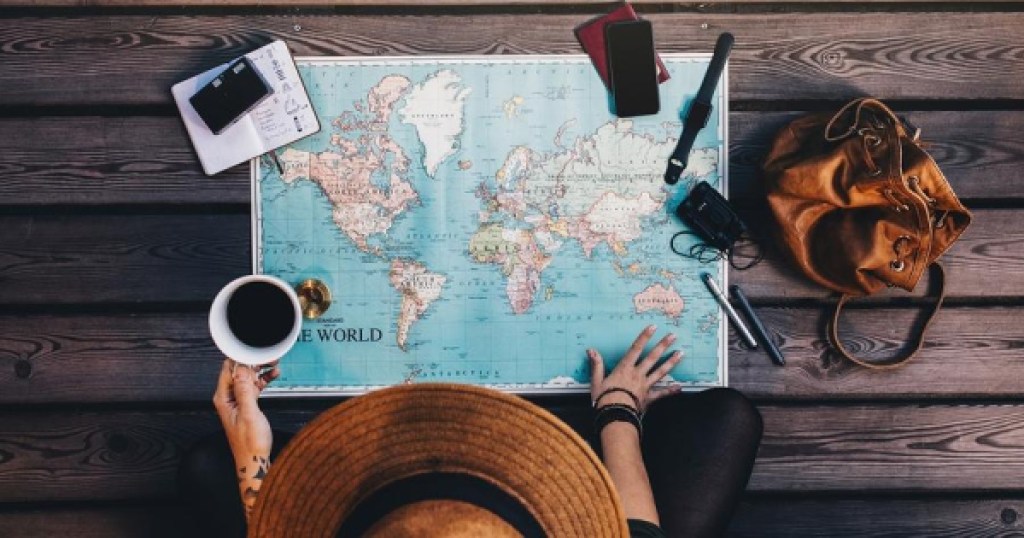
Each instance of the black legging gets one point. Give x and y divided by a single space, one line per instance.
699 450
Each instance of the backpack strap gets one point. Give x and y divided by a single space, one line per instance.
918 339
857 107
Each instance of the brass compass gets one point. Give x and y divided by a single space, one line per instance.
314 298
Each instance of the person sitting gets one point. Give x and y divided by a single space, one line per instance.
458 460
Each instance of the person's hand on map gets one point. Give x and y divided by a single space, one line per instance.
247 428
634 375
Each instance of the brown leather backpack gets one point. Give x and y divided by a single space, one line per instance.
861 206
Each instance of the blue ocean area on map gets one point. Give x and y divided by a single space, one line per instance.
485 220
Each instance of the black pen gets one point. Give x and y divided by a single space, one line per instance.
759 330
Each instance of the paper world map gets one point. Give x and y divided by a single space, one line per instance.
485 220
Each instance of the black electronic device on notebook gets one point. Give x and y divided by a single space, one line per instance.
231 95
632 68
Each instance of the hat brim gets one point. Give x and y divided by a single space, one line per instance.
366 443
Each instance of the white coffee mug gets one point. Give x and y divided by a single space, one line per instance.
230 345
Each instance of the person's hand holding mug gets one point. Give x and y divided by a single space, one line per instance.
254 319
247 428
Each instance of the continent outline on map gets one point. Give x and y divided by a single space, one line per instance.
362 209
576 209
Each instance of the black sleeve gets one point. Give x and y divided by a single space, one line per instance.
639 528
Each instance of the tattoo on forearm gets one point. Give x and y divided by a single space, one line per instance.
250 485
261 471
249 500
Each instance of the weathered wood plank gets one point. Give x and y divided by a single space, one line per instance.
102 456
95 456
97 259
95 160
844 518
878 448
164 520
970 353
135 59
392 3
118 258
758 517
897 448
142 358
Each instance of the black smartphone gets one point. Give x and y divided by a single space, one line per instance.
632 68
231 95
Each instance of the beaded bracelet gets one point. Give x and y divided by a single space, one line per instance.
636 401
617 413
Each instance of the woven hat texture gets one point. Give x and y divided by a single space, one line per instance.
366 443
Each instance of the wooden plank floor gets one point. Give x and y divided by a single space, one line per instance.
112 243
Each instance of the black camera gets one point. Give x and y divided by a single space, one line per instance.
231 95
711 217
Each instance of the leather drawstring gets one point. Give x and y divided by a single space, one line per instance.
897 204
853 126
869 138
860 104
875 170
915 185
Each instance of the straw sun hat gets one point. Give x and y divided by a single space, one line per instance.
437 460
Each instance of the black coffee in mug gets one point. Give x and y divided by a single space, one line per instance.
260 314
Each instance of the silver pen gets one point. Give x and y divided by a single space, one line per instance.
735 318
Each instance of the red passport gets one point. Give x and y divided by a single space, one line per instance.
591 36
